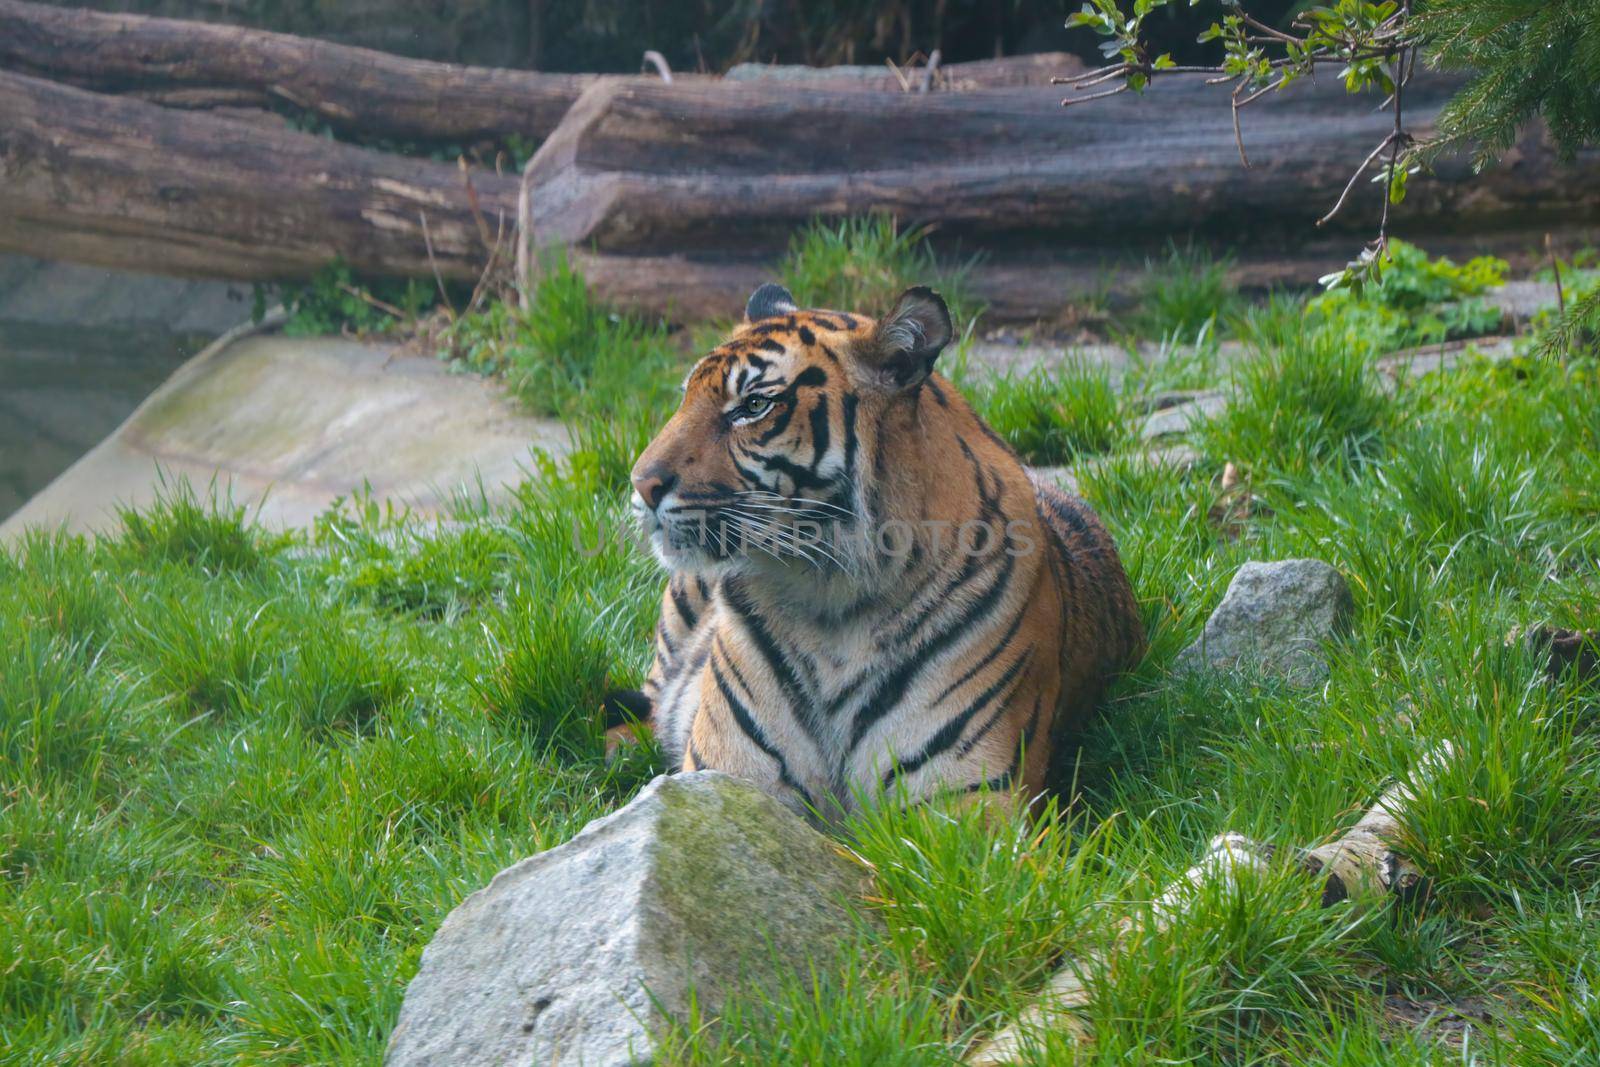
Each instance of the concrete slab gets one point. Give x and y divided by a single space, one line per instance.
41 292
289 424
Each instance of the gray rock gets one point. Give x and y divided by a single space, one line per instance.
1182 417
1274 618
570 956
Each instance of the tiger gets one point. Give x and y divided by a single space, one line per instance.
869 594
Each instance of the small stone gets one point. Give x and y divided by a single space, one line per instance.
571 956
1274 619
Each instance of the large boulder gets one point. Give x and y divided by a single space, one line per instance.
572 956
1275 619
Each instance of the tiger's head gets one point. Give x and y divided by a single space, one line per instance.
771 458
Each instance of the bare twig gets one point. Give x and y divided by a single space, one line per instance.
905 83
484 278
1365 163
1398 137
1555 266
381 305
1287 38
427 242
1263 91
472 201
1100 74
1071 100
1238 134
931 69
655 59
1079 81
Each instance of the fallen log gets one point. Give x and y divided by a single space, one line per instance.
1008 72
118 182
646 168
355 90
1363 863
121 183
359 91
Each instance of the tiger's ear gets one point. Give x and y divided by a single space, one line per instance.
769 301
910 338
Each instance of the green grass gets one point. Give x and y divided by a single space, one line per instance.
1184 294
243 776
1303 400
1053 415
863 264
565 354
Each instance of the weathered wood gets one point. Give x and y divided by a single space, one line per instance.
1067 993
1363 862
357 90
642 167
119 182
122 183
1007 72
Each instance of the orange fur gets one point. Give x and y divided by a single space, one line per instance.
832 666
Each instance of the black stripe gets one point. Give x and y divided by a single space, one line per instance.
1062 561
888 692
988 658
950 732
807 338
753 478
819 431
850 402
981 732
811 376
780 424
680 600
988 512
741 716
1004 445
803 478
800 702
661 636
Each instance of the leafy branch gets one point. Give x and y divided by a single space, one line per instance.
1373 42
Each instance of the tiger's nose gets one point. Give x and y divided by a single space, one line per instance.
652 484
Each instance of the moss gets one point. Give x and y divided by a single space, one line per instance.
750 878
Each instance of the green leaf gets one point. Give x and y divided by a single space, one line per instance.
1164 62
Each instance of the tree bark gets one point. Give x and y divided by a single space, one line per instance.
359 91
355 90
679 199
121 183
645 168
